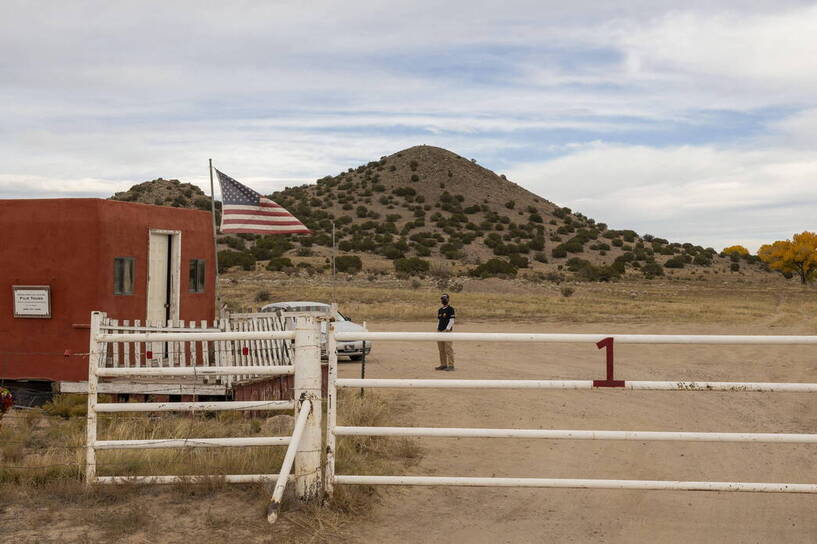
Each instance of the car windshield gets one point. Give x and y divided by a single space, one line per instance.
341 317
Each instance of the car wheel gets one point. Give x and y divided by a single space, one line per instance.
356 357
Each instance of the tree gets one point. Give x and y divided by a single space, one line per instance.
795 256
739 250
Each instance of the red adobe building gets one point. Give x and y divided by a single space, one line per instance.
60 259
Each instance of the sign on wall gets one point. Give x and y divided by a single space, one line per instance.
32 301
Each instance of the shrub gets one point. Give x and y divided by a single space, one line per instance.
652 270
586 271
518 261
405 191
277 264
233 242
263 296
537 244
559 252
702 260
391 251
734 267
227 259
492 268
674 262
66 405
348 263
422 251
567 291
411 266
540 257
202 203
573 246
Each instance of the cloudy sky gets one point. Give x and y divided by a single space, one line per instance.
695 124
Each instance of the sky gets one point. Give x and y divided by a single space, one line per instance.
694 121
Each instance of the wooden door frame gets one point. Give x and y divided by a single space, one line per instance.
175 270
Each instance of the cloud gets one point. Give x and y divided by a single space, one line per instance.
773 51
642 114
702 194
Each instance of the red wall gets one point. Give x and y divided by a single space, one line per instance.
70 245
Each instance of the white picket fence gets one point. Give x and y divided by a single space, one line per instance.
192 351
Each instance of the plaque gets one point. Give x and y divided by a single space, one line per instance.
32 301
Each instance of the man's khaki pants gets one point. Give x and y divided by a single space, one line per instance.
446 353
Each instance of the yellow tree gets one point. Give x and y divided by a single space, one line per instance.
795 256
739 250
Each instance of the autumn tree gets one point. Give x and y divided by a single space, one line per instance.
739 250
795 256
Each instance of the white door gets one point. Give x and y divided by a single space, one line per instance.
159 278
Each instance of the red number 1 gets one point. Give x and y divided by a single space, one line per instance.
610 381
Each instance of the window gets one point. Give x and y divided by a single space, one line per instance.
196 282
123 274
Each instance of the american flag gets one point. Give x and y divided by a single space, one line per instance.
244 210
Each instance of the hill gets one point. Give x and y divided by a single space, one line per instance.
166 192
430 203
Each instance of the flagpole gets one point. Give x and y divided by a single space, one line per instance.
215 242
334 254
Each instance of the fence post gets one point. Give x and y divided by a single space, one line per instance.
307 380
331 408
94 355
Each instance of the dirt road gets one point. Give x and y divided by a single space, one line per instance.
490 515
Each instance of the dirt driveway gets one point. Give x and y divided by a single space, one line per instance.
491 515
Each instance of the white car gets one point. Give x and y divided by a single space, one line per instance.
352 349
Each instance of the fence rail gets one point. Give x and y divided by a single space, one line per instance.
702 339
577 483
602 341
735 387
557 434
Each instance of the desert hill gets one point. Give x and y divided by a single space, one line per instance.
433 204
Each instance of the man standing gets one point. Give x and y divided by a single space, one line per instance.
445 323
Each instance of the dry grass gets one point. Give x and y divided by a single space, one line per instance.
678 301
41 475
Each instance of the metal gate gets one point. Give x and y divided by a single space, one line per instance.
602 341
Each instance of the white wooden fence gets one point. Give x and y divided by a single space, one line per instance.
191 350
122 350
602 341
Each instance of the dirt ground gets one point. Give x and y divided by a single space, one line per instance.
491 515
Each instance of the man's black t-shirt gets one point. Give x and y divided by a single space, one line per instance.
444 315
